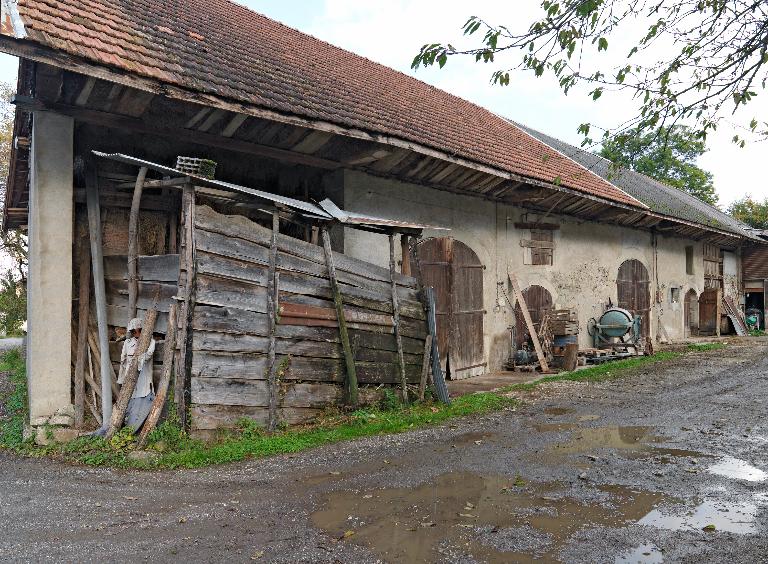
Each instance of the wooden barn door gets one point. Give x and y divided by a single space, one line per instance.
691 313
708 311
456 274
539 300
633 287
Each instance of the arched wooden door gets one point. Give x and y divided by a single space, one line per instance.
539 300
708 311
456 273
691 313
633 288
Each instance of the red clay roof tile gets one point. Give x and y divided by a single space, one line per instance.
249 58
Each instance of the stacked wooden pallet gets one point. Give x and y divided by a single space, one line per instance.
563 322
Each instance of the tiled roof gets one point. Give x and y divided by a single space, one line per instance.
657 196
220 48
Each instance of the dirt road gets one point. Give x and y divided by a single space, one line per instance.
627 471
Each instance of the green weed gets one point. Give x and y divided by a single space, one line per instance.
12 428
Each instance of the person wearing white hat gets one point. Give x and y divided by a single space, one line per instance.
143 394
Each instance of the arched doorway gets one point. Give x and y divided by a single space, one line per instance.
456 273
633 289
539 300
708 311
691 313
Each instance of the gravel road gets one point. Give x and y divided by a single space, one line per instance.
665 465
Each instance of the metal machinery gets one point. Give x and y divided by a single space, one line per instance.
617 329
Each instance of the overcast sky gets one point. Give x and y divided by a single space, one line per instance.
392 32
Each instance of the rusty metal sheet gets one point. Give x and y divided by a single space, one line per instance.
634 293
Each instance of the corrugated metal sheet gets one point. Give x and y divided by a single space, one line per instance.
754 263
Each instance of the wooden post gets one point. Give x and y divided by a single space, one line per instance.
129 383
438 378
425 366
528 322
405 251
272 294
83 315
396 318
571 357
165 380
184 365
133 242
99 294
349 359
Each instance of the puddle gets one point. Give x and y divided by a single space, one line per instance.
615 437
644 554
550 427
738 470
465 516
558 410
584 418
725 516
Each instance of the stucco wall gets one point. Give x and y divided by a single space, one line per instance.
586 258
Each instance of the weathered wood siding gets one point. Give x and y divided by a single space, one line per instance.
231 328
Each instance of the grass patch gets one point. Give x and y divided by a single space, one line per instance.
702 347
173 448
15 402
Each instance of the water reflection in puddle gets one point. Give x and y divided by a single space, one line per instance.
459 515
616 437
724 516
644 554
738 470
558 410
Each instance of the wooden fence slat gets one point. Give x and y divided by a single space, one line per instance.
156 268
83 315
396 315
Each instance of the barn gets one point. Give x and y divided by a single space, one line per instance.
294 275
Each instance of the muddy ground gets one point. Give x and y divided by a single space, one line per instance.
625 471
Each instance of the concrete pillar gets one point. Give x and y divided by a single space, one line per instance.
49 286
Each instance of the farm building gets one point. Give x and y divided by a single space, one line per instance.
311 143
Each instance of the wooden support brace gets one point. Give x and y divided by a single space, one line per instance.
425 366
184 364
133 242
528 322
349 359
129 384
405 251
396 317
272 309
165 380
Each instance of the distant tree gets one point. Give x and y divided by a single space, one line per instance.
692 60
669 157
751 212
13 243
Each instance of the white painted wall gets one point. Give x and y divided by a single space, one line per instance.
583 276
49 285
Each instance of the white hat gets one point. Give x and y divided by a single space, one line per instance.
134 324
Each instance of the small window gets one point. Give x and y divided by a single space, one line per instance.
674 295
689 260
541 247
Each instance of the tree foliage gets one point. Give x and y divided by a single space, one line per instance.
751 212
669 158
693 60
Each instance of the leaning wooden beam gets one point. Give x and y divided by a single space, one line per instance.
349 359
438 378
272 310
165 380
133 242
528 322
396 317
100 296
83 311
425 366
129 383
184 364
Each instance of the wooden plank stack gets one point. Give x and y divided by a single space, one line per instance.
231 327
563 322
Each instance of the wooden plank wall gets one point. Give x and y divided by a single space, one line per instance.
230 325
